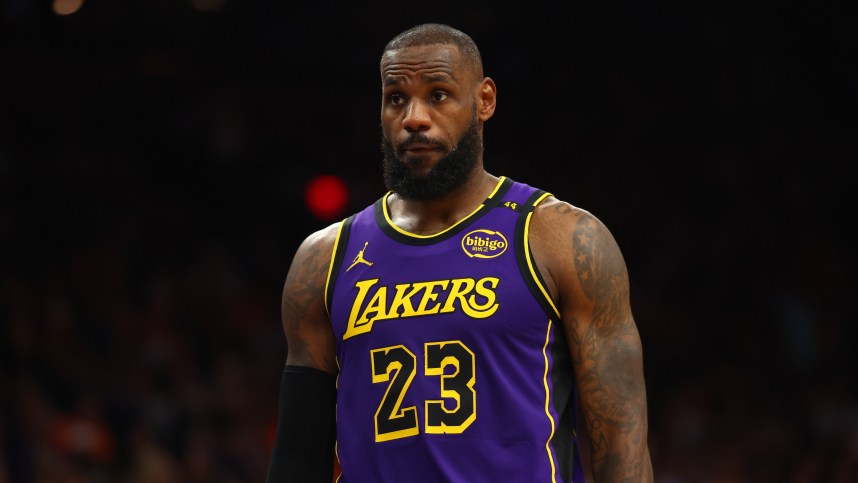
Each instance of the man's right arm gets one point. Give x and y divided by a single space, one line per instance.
304 445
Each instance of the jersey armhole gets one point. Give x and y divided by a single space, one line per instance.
524 256
337 260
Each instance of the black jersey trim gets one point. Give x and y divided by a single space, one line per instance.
565 402
406 238
524 257
337 260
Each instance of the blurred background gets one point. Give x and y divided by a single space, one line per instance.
160 162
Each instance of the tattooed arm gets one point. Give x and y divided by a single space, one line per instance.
309 338
304 446
586 273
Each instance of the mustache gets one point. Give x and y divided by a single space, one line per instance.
416 137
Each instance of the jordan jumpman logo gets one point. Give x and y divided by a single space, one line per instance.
359 258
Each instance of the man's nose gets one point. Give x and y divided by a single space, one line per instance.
417 117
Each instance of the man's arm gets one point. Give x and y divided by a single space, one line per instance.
309 337
587 273
304 445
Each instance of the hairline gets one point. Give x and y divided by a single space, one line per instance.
431 34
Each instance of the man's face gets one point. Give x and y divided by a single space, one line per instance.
448 173
431 135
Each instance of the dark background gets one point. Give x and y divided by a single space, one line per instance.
153 157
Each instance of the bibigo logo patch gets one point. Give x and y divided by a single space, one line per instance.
484 244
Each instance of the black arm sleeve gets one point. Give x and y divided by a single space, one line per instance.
306 429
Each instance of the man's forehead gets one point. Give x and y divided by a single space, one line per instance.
436 57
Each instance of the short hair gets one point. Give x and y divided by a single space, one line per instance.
438 33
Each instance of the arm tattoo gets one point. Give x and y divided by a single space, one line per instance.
609 357
563 209
602 275
303 305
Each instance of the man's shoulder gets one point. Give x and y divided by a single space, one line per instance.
321 239
548 201
553 210
555 220
329 233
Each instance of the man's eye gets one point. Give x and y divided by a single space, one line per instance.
439 96
396 99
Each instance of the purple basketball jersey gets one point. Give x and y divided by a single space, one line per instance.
453 367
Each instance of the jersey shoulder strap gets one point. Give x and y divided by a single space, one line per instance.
337 255
524 255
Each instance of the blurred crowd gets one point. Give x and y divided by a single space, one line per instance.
115 369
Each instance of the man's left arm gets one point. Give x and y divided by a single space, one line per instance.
591 280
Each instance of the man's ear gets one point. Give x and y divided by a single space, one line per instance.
486 99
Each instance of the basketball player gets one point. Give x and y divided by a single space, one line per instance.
453 330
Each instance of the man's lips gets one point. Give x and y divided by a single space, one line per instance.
420 147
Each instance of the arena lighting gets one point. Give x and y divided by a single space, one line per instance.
326 196
67 7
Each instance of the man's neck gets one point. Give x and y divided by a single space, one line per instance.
433 216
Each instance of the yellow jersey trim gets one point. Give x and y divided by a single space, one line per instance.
414 235
530 264
547 399
331 266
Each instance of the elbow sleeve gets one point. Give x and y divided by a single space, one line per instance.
306 430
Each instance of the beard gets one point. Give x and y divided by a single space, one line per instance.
450 172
